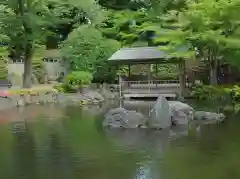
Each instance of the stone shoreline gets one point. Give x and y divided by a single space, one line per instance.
52 96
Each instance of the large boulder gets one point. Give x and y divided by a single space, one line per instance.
161 114
209 117
165 113
181 113
122 118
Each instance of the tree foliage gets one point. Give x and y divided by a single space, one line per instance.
24 23
87 50
208 29
212 28
124 4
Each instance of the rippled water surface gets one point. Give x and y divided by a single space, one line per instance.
50 142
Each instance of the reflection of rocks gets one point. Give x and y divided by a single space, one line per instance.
209 117
141 138
122 118
28 98
138 138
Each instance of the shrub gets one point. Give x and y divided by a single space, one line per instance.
3 69
74 82
30 91
64 87
209 92
78 80
59 87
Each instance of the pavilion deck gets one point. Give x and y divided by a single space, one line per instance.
149 88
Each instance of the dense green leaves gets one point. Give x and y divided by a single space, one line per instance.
25 23
208 29
88 50
79 79
213 30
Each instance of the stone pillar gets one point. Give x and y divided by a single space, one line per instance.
182 78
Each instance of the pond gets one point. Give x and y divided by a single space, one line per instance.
53 142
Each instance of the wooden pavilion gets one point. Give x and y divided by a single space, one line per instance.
149 87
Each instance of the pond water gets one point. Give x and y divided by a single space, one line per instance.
52 142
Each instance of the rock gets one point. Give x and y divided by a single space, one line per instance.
49 98
122 118
27 99
209 116
6 103
181 113
107 94
20 102
161 114
34 98
93 95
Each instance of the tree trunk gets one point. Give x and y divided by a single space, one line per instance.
212 59
28 53
182 78
27 75
213 72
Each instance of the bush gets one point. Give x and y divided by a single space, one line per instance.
3 69
59 87
209 92
229 95
66 88
75 81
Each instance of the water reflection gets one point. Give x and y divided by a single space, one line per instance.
52 142
23 150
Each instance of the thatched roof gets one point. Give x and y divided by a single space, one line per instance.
141 55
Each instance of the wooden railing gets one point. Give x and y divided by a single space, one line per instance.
147 82
148 87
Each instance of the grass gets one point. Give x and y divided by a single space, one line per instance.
33 90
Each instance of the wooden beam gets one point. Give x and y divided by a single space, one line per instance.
129 70
182 78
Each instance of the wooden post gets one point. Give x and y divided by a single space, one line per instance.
182 78
149 76
119 82
156 74
129 74
120 85
129 70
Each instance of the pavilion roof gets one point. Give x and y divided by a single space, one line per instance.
140 55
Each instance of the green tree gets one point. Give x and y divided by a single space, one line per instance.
124 4
131 28
25 23
206 29
212 29
87 50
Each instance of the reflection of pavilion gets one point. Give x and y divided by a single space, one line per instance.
149 86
